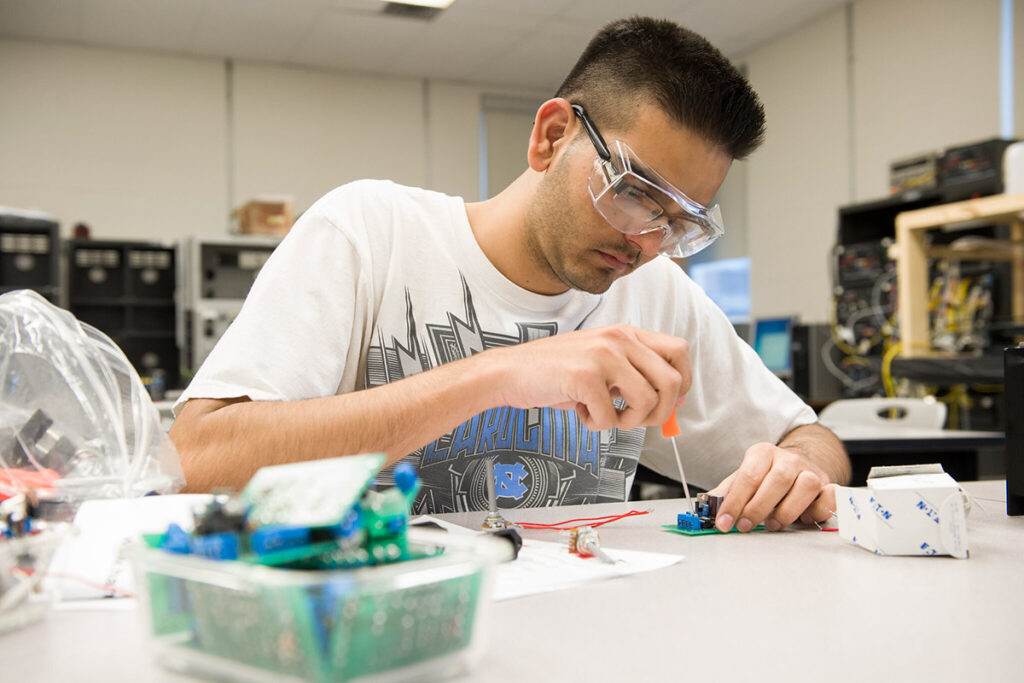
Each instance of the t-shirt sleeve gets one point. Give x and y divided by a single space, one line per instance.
734 401
291 339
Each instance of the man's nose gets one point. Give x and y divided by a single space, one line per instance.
649 242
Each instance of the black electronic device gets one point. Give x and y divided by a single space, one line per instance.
865 300
229 269
127 290
1013 397
29 255
812 380
973 163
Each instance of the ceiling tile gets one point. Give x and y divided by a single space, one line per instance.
152 24
530 43
541 60
454 52
355 41
43 19
597 13
254 29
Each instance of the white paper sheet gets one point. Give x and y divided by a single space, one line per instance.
92 557
544 566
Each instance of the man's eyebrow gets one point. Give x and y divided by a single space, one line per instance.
644 172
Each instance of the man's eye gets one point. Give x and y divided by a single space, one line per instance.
638 203
637 195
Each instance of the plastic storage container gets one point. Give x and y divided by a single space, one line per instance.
409 620
23 563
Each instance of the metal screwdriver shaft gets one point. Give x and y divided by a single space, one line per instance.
670 430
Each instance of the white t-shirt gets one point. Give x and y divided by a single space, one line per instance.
376 282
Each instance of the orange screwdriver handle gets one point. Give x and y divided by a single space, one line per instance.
671 427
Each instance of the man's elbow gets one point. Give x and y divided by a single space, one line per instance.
184 435
194 444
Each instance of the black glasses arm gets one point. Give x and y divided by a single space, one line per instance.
592 132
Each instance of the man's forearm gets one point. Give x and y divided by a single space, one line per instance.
823 448
226 445
223 442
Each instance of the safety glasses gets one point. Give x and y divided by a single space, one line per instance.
635 200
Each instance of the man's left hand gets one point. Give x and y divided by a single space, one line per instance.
774 486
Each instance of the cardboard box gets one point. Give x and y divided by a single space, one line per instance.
272 216
911 510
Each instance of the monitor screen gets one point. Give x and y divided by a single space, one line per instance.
727 283
773 342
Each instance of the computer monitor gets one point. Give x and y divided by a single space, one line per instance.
773 342
727 283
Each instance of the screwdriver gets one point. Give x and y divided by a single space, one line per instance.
670 430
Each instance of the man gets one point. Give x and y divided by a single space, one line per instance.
537 329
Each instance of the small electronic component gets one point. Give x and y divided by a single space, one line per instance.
703 515
494 522
494 519
274 523
26 545
585 542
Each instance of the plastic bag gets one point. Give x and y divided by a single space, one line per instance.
75 421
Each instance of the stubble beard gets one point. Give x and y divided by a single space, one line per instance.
557 242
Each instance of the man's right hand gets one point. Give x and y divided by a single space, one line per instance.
589 369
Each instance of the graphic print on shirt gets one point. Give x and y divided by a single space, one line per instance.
542 456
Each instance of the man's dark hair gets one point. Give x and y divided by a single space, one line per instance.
643 59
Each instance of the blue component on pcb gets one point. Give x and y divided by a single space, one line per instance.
273 538
176 540
688 521
350 525
222 546
405 477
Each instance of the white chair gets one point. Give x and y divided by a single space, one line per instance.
925 413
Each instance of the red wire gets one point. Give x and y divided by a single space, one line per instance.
106 588
597 521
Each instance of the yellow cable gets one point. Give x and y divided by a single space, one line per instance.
834 328
887 368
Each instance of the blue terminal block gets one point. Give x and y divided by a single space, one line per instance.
688 521
274 538
176 540
222 546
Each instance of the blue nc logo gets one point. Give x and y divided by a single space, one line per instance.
508 481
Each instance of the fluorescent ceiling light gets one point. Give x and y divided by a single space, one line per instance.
436 4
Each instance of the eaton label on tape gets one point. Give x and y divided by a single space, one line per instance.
911 510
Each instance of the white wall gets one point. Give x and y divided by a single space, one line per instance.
453 141
149 146
800 175
924 75
131 143
305 132
508 138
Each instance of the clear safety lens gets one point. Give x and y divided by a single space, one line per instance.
635 200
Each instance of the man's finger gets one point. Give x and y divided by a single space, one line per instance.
756 463
775 486
675 351
800 496
824 506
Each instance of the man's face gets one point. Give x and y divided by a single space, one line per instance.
571 244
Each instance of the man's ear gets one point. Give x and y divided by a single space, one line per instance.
552 129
